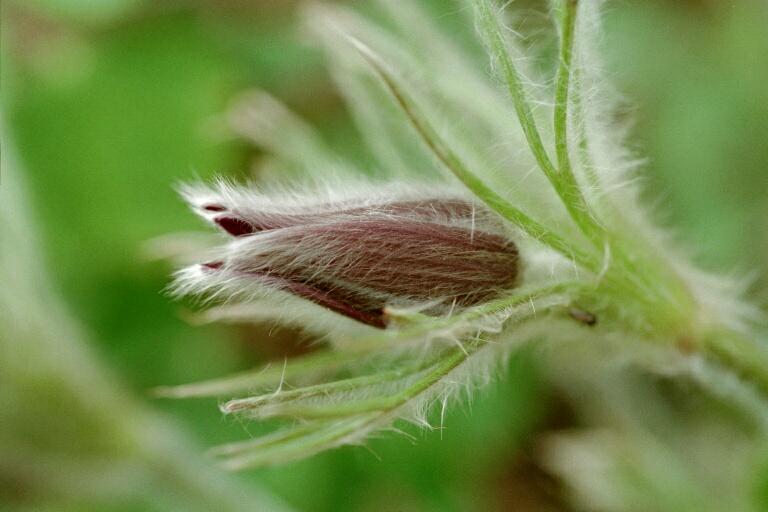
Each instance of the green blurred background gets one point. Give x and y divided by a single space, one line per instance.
110 103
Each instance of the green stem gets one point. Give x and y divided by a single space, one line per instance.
424 325
319 389
584 158
383 404
746 356
314 363
498 305
315 440
561 177
566 185
563 87
496 42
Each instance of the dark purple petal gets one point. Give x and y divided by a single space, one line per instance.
235 226
432 209
413 259
334 299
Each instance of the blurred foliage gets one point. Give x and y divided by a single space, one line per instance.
113 102
697 72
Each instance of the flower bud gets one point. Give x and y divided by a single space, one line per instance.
356 257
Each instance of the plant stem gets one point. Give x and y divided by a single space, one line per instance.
746 356
319 389
566 185
314 363
561 177
562 89
496 42
424 325
328 435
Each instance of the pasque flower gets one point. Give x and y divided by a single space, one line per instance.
490 218
357 255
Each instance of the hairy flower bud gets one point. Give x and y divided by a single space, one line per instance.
355 257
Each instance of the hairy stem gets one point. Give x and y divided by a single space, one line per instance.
561 177
566 185
420 325
746 356
384 404
489 23
307 443
315 363
319 389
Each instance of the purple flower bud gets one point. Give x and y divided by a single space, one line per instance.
356 257
241 223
